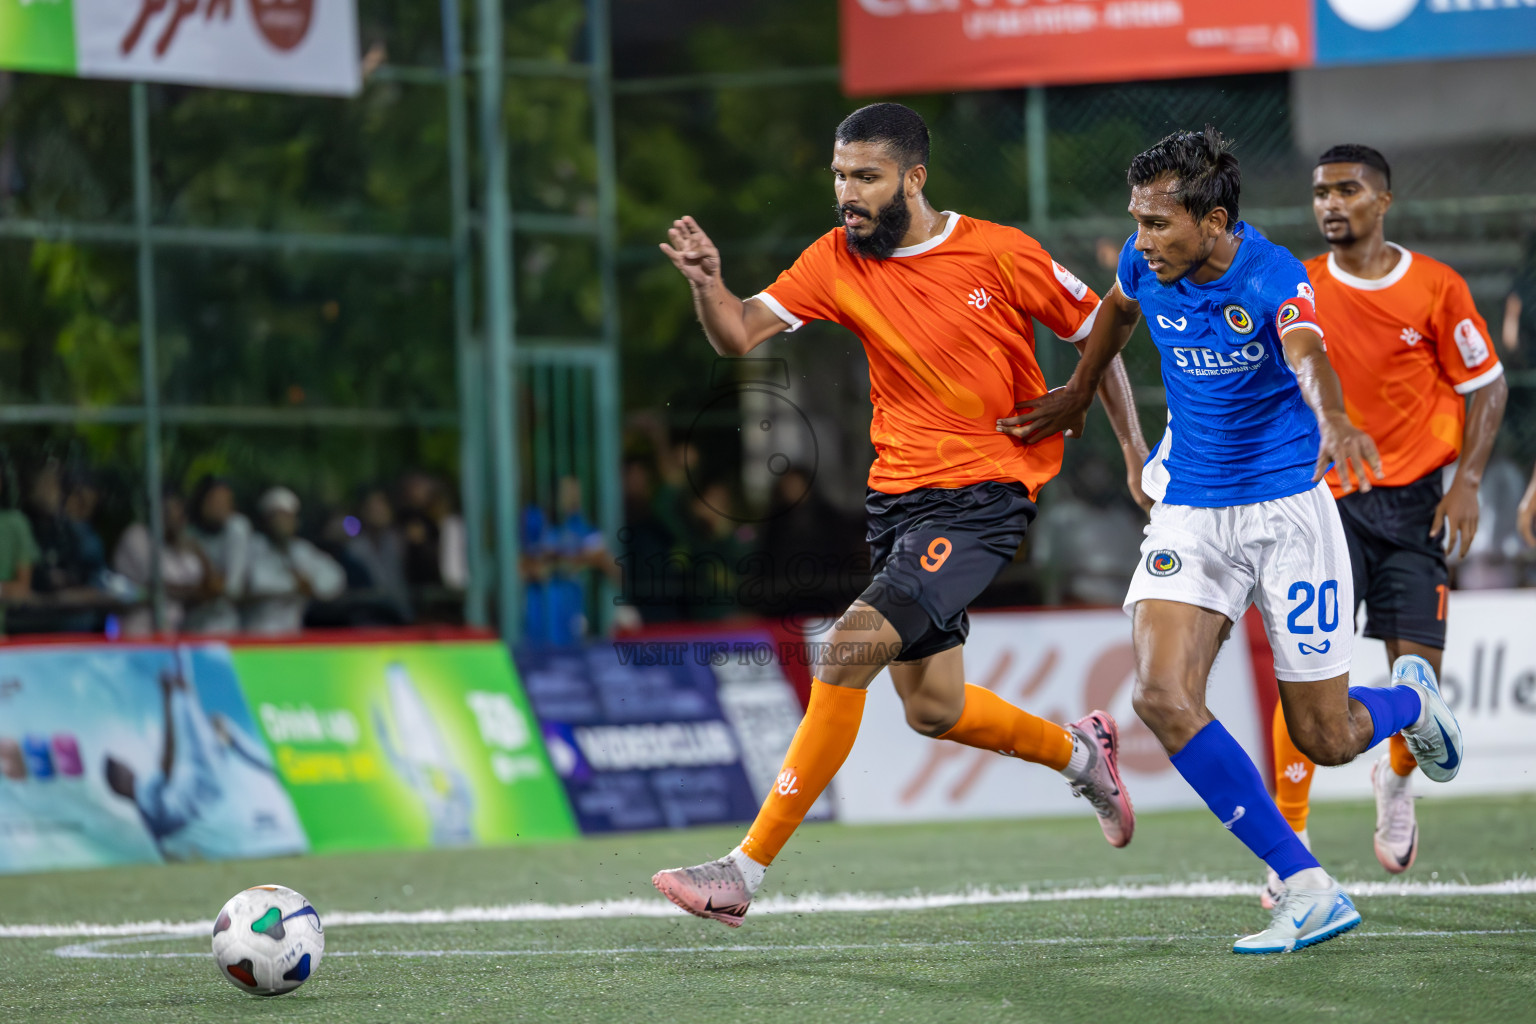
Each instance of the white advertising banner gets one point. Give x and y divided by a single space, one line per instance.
282 45
1056 664
1488 677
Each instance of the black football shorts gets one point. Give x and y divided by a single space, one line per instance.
933 550
1399 569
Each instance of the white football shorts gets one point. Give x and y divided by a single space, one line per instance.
1288 556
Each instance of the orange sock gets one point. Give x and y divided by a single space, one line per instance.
991 723
1293 775
820 747
1403 761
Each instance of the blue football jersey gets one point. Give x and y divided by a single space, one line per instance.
1238 429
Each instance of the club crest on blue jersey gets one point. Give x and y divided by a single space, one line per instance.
1163 563
1238 319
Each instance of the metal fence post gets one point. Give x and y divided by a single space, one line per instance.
496 238
466 353
1038 159
610 497
149 367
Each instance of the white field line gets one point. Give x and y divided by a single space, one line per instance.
810 903
92 950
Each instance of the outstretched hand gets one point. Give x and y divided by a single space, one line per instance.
1059 411
1351 451
691 252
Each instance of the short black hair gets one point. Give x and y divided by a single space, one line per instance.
900 129
1354 153
1203 163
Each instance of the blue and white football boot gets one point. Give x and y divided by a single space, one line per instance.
1436 740
1302 918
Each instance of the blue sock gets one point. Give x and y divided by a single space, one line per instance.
1223 774
1392 708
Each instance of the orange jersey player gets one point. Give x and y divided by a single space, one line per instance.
944 305
1413 354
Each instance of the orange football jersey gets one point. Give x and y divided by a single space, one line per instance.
1407 348
951 344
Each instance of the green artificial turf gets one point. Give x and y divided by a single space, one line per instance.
1142 961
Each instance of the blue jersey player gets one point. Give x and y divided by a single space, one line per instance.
1255 418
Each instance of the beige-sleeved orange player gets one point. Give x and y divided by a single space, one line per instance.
944 305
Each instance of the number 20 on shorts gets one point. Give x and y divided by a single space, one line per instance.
938 553
1324 598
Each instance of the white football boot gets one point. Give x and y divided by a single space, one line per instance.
1397 831
1274 888
716 890
1435 739
1302 918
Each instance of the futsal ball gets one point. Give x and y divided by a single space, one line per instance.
268 940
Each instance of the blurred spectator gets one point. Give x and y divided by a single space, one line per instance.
671 490
62 572
184 569
1519 334
1089 534
422 535
286 571
380 550
558 558
815 554
649 583
224 535
81 498
453 545
18 555
718 545
61 565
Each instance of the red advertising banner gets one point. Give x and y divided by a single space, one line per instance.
894 46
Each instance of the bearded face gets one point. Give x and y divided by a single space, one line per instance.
875 234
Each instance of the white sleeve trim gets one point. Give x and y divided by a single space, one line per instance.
1082 332
1121 285
1300 325
794 322
1482 380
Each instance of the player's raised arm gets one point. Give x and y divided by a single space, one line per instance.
1346 446
732 326
1064 409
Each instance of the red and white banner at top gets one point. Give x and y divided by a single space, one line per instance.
892 46
286 45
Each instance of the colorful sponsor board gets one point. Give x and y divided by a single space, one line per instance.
1488 677
404 746
894 46
665 733
1378 31
37 35
138 754
283 45
1060 666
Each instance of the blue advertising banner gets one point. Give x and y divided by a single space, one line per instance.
133 754
664 733
1379 31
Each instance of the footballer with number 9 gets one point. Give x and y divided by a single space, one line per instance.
1256 416
944 305
1420 376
